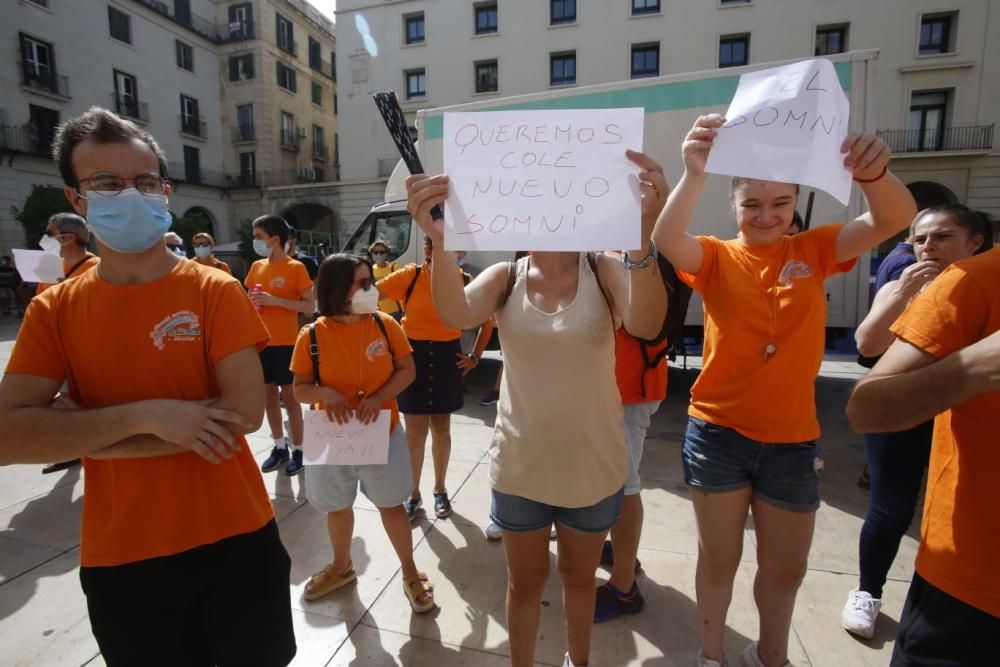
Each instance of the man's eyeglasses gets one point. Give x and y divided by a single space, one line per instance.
107 184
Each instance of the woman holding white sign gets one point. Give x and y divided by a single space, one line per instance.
765 316
353 361
558 453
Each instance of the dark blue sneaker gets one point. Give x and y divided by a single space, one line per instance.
278 456
612 603
608 557
294 466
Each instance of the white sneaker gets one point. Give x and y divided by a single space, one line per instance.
751 658
860 613
493 531
705 662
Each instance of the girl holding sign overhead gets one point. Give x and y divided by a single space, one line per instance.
558 453
765 315
353 361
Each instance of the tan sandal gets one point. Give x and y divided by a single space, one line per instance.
328 580
417 587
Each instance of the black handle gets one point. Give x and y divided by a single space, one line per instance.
392 114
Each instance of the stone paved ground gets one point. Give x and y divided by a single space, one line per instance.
43 619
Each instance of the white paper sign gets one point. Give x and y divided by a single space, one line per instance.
38 266
542 180
352 444
787 124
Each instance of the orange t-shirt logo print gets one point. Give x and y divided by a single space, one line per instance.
181 326
377 348
278 281
794 268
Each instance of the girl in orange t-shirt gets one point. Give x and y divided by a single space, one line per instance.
203 244
765 315
361 371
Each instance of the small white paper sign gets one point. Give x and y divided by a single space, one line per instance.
542 180
787 124
38 266
352 444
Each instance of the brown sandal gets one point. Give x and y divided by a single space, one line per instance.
328 580
415 588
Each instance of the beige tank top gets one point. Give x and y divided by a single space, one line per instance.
559 436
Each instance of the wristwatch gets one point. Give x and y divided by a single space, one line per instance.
473 358
644 262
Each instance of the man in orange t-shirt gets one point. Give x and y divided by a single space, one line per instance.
946 362
71 232
281 288
180 556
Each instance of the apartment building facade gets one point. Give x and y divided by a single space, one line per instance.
938 68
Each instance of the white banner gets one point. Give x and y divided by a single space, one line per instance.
542 180
38 266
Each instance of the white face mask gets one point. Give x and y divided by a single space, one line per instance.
261 248
365 301
202 251
49 244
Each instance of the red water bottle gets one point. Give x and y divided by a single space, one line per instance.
256 289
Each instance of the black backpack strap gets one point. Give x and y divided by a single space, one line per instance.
385 334
466 278
409 289
314 352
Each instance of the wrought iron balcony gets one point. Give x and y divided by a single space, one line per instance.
130 107
235 31
49 82
290 140
969 138
196 127
246 132
28 139
320 152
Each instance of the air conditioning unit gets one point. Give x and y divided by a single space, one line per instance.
306 173
301 132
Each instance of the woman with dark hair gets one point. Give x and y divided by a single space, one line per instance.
896 461
361 362
765 318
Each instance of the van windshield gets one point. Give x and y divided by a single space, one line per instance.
393 227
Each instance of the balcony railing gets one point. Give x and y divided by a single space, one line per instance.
323 67
242 180
247 132
130 107
290 140
221 33
385 166
182 173
969 138
289 46
196 127
47 81
28 139
235 31
320 152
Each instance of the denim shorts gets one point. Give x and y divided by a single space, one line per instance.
637 418
718 459
521 515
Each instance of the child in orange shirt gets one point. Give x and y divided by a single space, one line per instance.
363 361
280 287
765 316
203 244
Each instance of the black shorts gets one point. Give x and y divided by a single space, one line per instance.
439 387
937 630
221 604
277 361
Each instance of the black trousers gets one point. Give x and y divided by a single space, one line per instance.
221 604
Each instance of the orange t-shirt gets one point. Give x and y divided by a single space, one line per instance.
354 356
217 264
420 317
768 401
960 535
89 260
285 280
636 382
119 344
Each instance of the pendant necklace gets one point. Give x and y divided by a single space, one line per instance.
361 351
772 306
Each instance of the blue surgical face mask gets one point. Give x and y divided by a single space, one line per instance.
261 248
130 222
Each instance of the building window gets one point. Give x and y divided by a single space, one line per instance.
935 34
333 65
190 118
240 21
487 77
734 2
734 50
335 109
248 169
245 130
315 57
126 95
486 18
416 84
831 39
38 66
645 60
319 142
562 68
640 7
317 94
288 130
241 67
286 77
928 110
286 34
120 24
413 25
192 164
336 148
43 123
40 3
185 55
562 11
